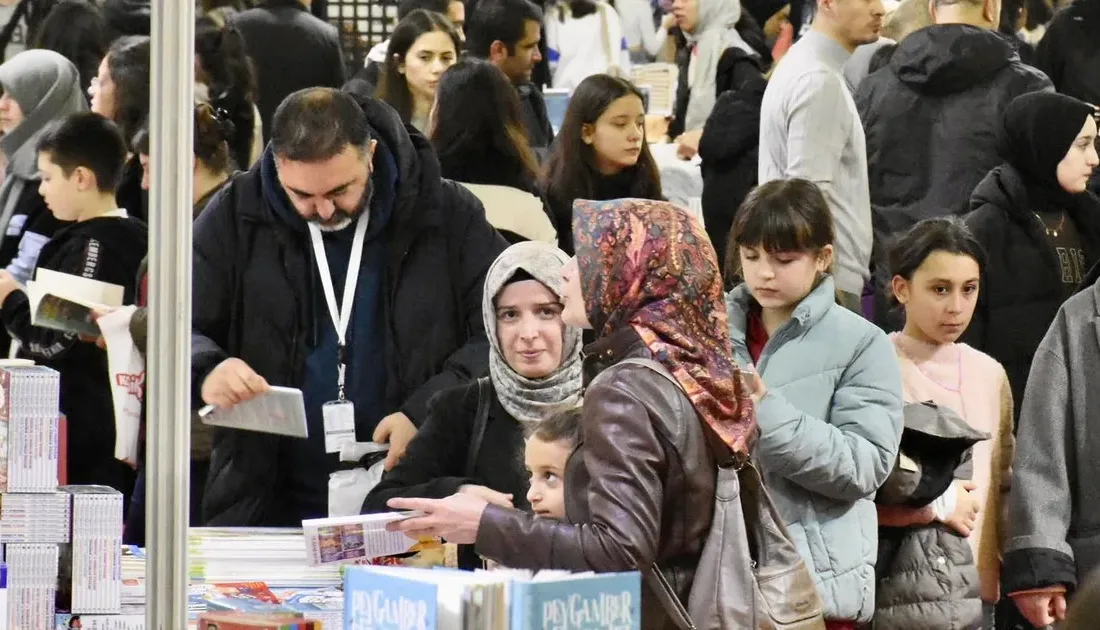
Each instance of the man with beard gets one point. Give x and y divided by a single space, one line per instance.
343 200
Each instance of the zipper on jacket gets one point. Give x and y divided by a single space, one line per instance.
773 342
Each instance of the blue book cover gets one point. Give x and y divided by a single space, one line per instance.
610 601
379 599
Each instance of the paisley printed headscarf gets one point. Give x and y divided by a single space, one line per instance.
649 265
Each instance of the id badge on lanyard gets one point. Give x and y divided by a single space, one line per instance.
339 414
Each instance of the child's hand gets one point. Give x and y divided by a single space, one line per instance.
965 517
490 496
8 285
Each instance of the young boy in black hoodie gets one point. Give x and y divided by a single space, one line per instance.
80 160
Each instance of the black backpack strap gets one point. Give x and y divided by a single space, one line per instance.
480 420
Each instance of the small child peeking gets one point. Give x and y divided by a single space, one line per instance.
548 450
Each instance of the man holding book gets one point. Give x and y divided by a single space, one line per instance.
342 201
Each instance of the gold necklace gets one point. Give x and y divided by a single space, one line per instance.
1049 231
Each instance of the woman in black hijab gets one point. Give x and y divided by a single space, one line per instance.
1038 224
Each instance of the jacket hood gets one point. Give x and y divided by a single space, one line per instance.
1002 187
808 312
950 58
406 169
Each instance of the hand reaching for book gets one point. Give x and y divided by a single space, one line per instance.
455 519
8 285
232 382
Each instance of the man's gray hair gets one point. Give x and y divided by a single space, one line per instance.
316 124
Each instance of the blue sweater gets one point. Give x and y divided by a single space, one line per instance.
308 464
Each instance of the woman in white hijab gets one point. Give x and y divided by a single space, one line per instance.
534 370
718 58
40 87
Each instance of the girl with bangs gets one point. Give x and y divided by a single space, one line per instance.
827 386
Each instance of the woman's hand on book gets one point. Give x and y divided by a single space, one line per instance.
454 519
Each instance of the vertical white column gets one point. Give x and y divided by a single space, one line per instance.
168 435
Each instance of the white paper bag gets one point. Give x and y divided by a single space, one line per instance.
347 489
127 372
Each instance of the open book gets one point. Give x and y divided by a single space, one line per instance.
64 302
358 538
279 410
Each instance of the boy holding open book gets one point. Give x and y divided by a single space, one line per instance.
80 160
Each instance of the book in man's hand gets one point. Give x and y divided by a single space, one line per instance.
62 301
279 410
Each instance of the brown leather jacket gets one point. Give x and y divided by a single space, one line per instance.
639 489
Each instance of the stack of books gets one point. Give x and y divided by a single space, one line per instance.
276 557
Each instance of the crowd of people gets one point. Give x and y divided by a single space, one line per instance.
887 305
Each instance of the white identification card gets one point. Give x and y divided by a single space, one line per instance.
339 424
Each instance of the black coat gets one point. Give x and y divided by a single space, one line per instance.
1070 53
434 466
932 117
107 249
735 69
254 299
291 50
1022 285
730 149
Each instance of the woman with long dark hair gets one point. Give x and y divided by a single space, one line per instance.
600 152
75 29
224 71
120 92
477 128
422 47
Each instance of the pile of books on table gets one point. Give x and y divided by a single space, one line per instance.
62 545
277 557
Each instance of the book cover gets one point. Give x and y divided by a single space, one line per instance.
64 302
609 601
279 411
357 539
379 599
248 597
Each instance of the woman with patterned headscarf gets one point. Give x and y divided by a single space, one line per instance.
663 405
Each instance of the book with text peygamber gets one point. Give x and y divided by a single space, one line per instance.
587 601
65 302
279 410
399 598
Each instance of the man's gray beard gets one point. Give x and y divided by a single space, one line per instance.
342 220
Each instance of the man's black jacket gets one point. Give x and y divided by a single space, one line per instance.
254 285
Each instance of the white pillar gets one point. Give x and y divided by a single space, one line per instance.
168 438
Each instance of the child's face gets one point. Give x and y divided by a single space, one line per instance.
780 280
546 463
62 193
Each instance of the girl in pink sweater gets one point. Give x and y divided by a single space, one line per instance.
935 270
